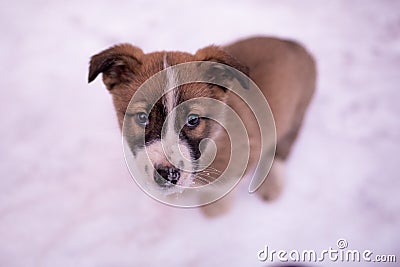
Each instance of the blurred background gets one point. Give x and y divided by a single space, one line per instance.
67 199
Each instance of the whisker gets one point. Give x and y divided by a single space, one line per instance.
202 180
210 171
205 177
207 167
208 179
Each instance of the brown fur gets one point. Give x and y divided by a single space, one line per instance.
286 74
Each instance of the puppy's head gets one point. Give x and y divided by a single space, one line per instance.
165 125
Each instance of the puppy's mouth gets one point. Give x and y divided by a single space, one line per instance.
166 176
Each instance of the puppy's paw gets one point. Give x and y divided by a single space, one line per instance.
273 185
219 207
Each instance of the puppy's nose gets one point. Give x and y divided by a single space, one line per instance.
166 176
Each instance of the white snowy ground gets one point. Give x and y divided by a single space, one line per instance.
66 198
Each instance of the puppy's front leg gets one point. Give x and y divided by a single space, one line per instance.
274 183
219 207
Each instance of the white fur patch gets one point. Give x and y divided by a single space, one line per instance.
170 150
170 90
170 100
171 141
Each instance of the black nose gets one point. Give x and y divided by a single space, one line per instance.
166 176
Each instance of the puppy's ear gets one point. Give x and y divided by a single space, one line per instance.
118 64
219 73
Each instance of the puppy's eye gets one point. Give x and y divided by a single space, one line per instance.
192 120
142 118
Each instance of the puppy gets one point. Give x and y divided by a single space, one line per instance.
284 72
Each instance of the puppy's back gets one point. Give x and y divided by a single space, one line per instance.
285 72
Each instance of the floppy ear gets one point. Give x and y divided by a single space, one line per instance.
219 73
118 64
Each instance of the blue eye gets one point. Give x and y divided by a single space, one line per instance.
192 120
142 118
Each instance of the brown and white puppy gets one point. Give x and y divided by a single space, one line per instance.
283 70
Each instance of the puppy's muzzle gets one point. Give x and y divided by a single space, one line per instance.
166 176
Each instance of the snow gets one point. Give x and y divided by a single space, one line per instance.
66 197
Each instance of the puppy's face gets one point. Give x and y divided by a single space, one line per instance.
165 125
